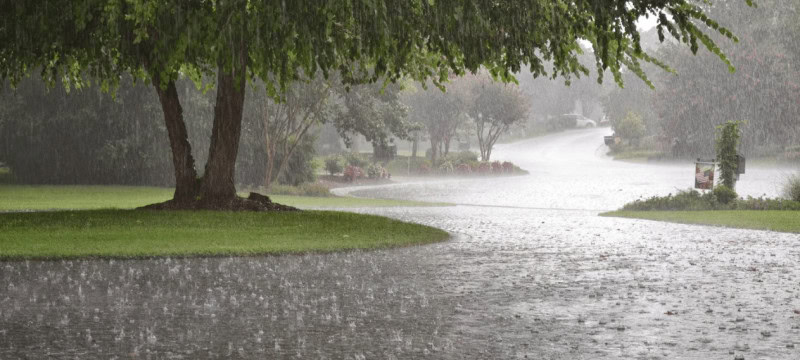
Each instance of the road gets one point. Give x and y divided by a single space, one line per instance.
531 272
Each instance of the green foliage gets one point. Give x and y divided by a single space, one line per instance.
334 164
725 199
356 159
727 144
6 177
724 194
85 136
791 189
684 200
300 166
494 108
376 171
461 157
630 127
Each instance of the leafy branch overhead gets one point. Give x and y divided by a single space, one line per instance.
365 40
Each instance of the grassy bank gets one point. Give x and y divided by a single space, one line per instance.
138 233
776 220
22 197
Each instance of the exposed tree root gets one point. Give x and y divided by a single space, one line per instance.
254 202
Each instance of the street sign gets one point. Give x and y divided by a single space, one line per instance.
704 174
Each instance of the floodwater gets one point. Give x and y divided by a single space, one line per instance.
531 272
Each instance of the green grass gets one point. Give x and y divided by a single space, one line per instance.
23 197
141 233
776 220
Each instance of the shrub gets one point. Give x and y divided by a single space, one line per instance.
424 168
463 169
508 167
355 159
376 171
497 167
693 200
353 173
684 200
724 194
762 203
461 157
630 127
484 168
447 167
333 165
791 189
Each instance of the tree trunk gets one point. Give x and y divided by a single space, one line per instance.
414 147
186 186
434 149
218 181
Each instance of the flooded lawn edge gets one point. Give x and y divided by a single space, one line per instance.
138 234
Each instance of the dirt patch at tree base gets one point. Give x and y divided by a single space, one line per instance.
254 202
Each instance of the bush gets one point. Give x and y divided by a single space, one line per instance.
463 169
461 157
724 194
333 165
355 159
376 171
353 173
630 127
721 198
684 200
447 167
762 203
791 189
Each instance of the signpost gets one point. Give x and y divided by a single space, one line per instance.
704 174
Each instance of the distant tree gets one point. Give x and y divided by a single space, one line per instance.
441 113
286 123
495 107
372 111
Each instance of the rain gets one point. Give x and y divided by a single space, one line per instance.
586 209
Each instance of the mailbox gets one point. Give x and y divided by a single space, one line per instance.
740 164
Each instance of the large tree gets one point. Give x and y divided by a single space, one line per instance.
276 41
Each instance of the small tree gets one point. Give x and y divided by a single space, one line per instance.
630 127
727 142
495 107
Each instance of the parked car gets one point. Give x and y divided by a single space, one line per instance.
578 120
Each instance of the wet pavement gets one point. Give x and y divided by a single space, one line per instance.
532 272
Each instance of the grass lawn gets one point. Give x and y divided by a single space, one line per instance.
23 197
776 220
140 233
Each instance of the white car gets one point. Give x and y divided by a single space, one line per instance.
579 120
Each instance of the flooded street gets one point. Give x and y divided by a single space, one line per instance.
531 272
